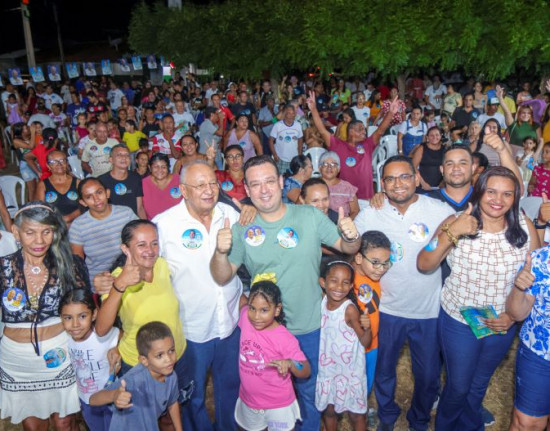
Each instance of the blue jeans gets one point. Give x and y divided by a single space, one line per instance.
311 417
221 357
469 363
371 368
98 418
421 335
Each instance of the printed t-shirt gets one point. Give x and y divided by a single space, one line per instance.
291 249
123 192
261 385
368 295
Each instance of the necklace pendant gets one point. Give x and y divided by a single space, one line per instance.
33 300
36 270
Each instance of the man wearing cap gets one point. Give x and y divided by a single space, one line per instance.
492 113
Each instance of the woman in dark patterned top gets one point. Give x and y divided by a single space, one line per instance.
36 378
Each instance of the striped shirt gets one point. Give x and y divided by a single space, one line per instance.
100 238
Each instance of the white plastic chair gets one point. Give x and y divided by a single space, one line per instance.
315 153
378 159
76 167
389 143
8 184
8 143
394 130
371 130
530 206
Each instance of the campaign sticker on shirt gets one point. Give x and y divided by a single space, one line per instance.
93 148
106 150
287 237
227 186
396 252
242 144
120 189
418 232
175 192
72 195
351 162
54 357
254 236
192 239
50 197
360 149
14 299
432 245
364 293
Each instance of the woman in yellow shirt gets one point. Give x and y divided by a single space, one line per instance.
141 291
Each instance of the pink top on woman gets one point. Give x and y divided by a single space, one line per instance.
155 200
341 195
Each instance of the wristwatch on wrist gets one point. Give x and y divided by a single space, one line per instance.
539 226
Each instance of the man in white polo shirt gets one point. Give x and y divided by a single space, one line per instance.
409 304
209 312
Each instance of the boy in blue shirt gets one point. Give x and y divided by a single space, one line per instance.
148 389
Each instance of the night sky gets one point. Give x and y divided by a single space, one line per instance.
80 21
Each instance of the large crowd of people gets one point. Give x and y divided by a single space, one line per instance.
232 230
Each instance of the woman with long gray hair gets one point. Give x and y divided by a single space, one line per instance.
37 381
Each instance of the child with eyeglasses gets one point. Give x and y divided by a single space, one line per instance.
370 263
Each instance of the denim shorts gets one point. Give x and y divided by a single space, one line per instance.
532 383
26 172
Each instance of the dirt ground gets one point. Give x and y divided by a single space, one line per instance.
498 400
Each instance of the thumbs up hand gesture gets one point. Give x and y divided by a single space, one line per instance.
525 277
130 274
225 238
347 227
465 224
544 210
123 398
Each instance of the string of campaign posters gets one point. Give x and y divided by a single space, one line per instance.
89 69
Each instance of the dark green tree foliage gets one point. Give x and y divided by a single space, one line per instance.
395 37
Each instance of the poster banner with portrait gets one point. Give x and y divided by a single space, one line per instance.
151 62
15 76
72 70
89 69
53 73
124 66
136 62
37 74
106 67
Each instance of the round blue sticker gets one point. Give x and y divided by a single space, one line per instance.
360 149
351 162
418 232
55 357
120 189
175 192
254 235
396 252
364 293
50 197
192 239
242 144
93 148
287 237
227 186
106 150
432 245
72 195
14 299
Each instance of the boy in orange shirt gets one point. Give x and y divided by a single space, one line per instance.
370 264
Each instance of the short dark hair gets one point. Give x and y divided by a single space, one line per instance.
457 147
372 239
483 161
233 147
85 181
121 145
150 332
156 157
399 158
208 112
257 161
310 183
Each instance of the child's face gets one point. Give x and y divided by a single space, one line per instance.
529 145
262 313
337 283
161 358
546 154
77 320
365 264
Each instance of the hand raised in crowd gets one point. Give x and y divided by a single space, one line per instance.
544 210
364 320
499 92
130 274
525 278
311 104
103 282
211 150
113 357
347 226
502 323
494 141
122 398
394 105
282 365
465 223
225 238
